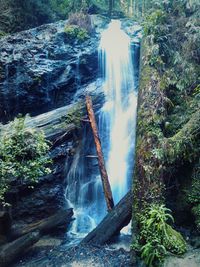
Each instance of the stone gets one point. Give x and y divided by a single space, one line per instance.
191 259
40 70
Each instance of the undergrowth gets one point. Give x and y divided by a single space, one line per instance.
157 238
23 156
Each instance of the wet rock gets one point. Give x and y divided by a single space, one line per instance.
76 256
40 70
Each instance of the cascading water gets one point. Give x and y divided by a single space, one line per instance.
116 122
117 117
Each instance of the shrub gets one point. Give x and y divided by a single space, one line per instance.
81 20
78 27
157 237
74 32
23 155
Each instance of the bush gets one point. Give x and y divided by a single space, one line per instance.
81 20
23 155
78 27
157 237
74 32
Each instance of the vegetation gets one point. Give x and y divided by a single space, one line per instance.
158 236
75 115
74 32
168 120
23 156
78 27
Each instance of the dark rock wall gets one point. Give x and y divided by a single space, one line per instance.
38 69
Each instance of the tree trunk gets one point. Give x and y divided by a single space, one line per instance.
61 218
104 175
11 251
114 221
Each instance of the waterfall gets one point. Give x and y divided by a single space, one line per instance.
117 116
116 122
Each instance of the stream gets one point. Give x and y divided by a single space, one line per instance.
118 58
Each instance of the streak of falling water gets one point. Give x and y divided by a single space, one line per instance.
118 115
116 122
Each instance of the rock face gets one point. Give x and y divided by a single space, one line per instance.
41 70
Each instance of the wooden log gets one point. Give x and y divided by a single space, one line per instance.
114 221
11 251
54 123
61 218
102 168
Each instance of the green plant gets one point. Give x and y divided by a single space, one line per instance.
23 155
157 237
74 32
82 20
153 251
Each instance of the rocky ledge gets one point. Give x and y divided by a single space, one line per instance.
40 69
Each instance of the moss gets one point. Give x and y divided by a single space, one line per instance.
75 115
175 242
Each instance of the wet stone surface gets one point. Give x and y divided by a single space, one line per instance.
86 256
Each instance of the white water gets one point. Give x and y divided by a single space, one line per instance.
117 116
116 121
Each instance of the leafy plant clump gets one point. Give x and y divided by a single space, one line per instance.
74 32
157 237
78 27
23 156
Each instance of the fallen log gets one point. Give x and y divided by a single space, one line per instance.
102 168
61 218
114 221
14 249
53 123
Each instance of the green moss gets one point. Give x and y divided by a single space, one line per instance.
75 115
174 242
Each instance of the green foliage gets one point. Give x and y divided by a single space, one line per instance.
74 32
153 252
152 22
23 155
78 27
157 237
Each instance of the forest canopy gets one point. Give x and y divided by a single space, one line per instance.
20 15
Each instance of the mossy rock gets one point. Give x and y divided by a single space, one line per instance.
175 242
